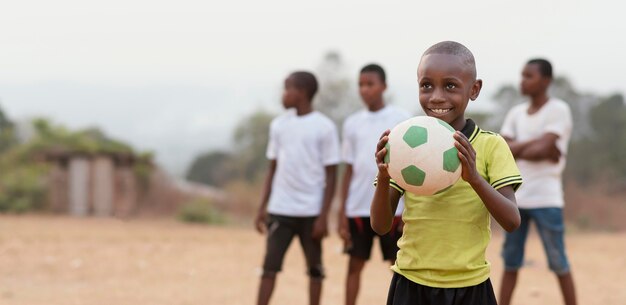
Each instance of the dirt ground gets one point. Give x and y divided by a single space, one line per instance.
60 260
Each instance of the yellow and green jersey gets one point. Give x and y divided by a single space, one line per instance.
445 235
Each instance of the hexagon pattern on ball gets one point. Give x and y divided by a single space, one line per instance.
415 136
388 154
451 160
413 175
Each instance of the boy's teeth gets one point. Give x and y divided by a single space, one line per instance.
440 111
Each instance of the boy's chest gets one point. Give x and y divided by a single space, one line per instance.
529 127
299 135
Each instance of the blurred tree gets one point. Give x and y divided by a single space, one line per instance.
7 132
505 98
212 168
250 138
246 162
337 96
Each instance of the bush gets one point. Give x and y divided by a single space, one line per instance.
23 189
200 211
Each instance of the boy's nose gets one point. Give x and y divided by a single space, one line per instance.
437 97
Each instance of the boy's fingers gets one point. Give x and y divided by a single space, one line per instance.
381 143
380 155
386 132
461 148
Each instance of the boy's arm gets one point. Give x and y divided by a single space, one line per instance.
343 227
384 205
261 218
320 228
500 203
543 148
385 201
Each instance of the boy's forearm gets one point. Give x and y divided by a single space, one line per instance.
329 190
543 148
345 188
538 151
517 147
381 215
267 187
502 207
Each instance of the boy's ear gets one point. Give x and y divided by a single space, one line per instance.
475 91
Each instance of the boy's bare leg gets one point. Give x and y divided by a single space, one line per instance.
353 281
509 280
315 290
566 282
265 289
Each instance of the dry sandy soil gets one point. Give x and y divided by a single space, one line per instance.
60 260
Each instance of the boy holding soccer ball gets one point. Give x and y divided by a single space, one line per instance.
442 250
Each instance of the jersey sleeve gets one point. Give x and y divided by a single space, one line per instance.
330 146
393 184
508 126
501 167
272 146
347 143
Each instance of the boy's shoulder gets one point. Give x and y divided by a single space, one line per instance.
559 104
487 140
355 117
520 108
323 120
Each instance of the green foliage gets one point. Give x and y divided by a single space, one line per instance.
7 132
200 211
608 120
213 168
90 141
251 137
22 188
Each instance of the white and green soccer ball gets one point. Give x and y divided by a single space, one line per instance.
421 156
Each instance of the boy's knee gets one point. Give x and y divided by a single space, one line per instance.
316 272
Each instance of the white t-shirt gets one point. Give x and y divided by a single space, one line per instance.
542 186
302 147
361 132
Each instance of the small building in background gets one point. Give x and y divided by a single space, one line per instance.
101 184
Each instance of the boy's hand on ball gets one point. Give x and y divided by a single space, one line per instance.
467 155
381 151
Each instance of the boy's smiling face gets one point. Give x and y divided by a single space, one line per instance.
446 84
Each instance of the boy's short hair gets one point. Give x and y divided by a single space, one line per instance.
374 68
454 48
545 67
305 81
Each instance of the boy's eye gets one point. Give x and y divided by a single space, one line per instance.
450 86
427 86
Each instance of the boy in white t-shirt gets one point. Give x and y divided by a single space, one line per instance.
360 134
538 133
303 150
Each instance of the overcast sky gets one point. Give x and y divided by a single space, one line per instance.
175 76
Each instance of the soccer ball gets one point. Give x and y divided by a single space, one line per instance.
421 156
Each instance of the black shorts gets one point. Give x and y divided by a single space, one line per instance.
280 232
404 292
362 238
